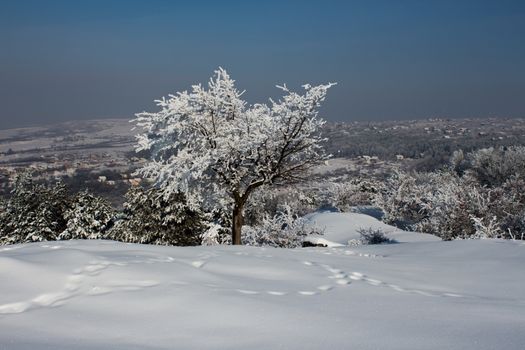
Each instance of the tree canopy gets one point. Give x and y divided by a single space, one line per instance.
216 149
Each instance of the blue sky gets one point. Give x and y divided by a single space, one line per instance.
393 59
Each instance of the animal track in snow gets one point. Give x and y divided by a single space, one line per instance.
75 286
317 290
342 278
357 276
81 282
341 252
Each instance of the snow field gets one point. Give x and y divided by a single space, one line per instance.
418 294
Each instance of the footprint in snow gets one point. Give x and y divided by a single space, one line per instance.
343 282
271 292
198 264
357 276
244 291
325 288
373 282
307 292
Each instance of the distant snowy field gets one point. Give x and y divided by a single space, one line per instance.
421 293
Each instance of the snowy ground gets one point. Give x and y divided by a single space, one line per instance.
418 294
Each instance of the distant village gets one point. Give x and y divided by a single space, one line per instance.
102 173
99 155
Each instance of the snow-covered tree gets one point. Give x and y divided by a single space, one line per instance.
34 212
151 218
213 147
89 217
4 218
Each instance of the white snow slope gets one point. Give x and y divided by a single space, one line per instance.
419 294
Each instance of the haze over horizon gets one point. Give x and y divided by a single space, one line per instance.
406 59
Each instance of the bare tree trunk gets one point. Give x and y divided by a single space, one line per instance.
238 220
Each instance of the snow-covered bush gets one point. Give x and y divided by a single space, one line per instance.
452 206
88 217
283 230
451 203
269 202
213 147
309 197
403 198
458 162
508 206
439 203
487 227
355 192
373 236
34 212
493 166
150 217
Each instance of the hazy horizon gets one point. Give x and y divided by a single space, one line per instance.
399 60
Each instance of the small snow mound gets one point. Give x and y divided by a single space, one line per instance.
342 228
